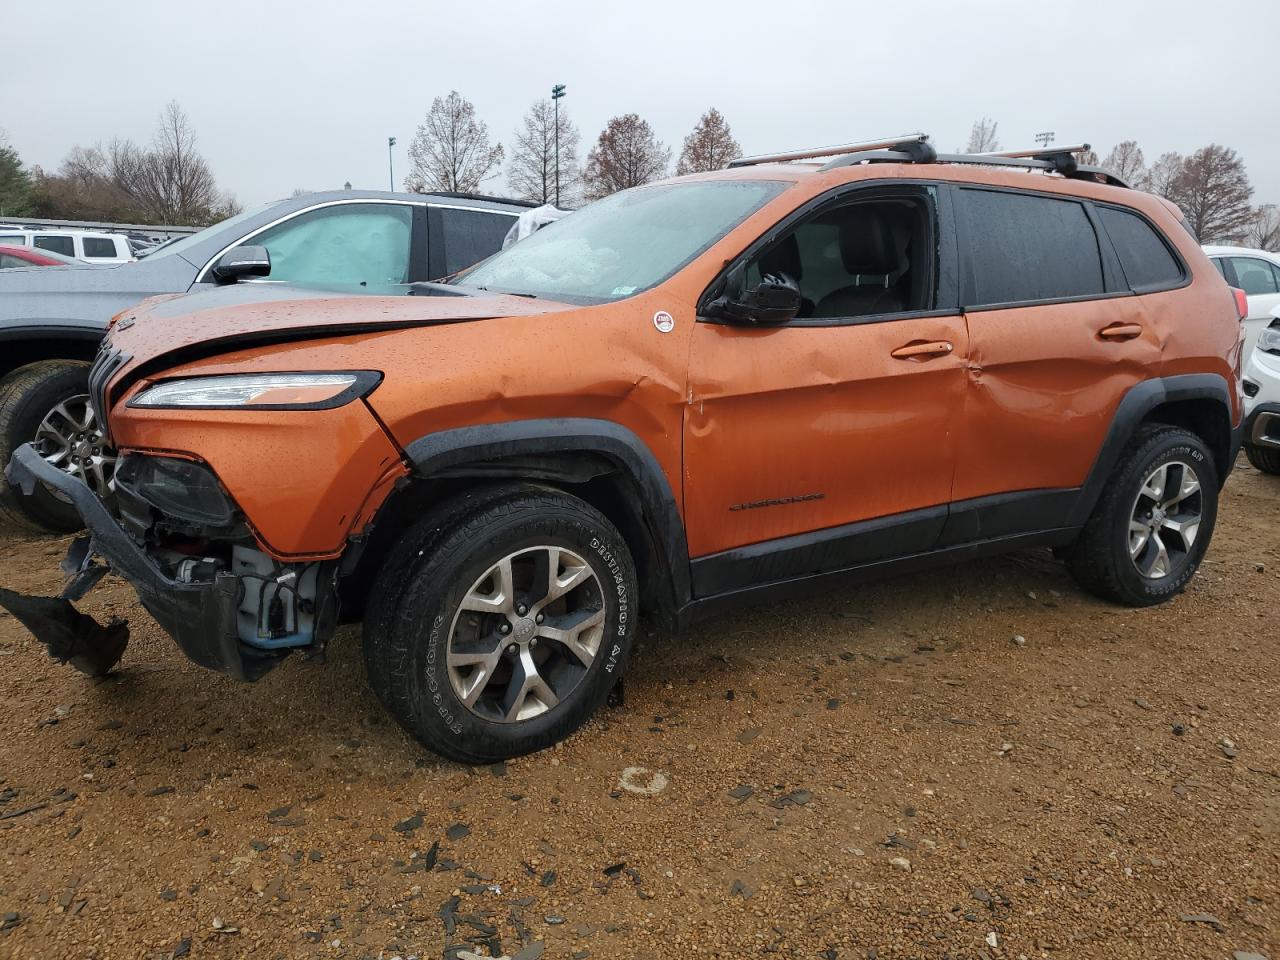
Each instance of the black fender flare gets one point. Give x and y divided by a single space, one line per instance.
438 452
1134 407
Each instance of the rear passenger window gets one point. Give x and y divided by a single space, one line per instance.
1145 258
1025 248
1256 276
99 247
471 236
63 245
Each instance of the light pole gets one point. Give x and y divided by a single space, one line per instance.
556 93
1045 138
391 167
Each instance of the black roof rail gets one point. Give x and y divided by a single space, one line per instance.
456 195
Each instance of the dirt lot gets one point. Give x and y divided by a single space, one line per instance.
885 772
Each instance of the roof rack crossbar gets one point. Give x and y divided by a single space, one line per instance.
904 142
1038 153
916 148
1062 159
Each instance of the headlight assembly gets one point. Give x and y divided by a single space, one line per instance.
258 391
1269 340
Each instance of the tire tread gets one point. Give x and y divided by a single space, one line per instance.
1266 460
420 565
16 387
1093 560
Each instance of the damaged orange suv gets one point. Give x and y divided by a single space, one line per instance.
721 387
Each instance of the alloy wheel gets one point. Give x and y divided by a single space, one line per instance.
71 439
1165 520
526 634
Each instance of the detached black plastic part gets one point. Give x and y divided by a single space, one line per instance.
201 617
70 636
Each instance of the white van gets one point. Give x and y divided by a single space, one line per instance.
81 244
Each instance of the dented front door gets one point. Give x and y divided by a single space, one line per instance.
793 429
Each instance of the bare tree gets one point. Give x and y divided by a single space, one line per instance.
1213 191
1263 232
1087 158
87 184
532 174
982 137
172 181
168 182
709 147
1164 173
451 149
626 154
1126 161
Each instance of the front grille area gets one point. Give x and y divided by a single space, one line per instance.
105 365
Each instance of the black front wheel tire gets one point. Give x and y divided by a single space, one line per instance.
1151 527
499 627
1266 459
28 398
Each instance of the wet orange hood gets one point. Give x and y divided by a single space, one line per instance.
168 330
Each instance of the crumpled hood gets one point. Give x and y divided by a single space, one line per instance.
167 330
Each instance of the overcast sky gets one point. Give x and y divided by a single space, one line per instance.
304 94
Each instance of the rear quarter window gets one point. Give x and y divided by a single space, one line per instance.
1145 257
471 236
99 247
1023 248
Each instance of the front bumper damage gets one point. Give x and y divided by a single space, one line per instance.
210 618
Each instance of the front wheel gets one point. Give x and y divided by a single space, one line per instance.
47 404
499 633
1151 527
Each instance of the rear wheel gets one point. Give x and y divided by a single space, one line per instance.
47 404
1149 531
501 632
1266 459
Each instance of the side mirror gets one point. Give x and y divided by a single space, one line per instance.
246 261
775 299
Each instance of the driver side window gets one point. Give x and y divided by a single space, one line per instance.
860 259
349 243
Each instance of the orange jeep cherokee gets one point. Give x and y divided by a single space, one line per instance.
725 386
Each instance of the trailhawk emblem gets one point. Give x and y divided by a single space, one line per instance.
664 321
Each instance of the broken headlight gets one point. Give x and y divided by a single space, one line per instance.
259 391
183 489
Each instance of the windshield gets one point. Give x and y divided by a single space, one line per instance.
189 241
624 243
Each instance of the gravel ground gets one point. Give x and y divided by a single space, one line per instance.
973 762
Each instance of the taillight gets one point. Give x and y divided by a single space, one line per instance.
1242 302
